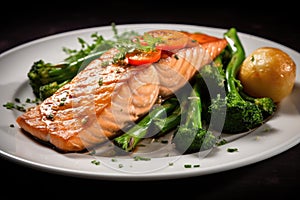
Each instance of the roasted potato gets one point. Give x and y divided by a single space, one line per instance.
268 72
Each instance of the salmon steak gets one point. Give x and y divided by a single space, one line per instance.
108 95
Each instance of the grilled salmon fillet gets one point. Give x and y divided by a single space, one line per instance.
103 99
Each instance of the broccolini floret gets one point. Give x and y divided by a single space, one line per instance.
212 80
191 135
47 90
265 104
241 112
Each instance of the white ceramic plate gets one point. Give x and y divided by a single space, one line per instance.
282 134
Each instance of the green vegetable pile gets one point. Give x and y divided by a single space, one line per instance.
242 111
216 103
191 115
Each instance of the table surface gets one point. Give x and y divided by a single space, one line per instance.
277 176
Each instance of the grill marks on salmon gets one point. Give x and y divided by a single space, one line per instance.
102 100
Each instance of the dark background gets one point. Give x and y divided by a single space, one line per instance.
275 177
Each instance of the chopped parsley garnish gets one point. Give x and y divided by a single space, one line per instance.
96 162
191 166
9 105
230 150
17 100
50 116
137 158
18 105
221 142
100 81
105 63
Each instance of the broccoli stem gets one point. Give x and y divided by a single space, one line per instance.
193 114
65 69
163 126
134 135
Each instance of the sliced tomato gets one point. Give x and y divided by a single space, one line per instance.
140 57
171 39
